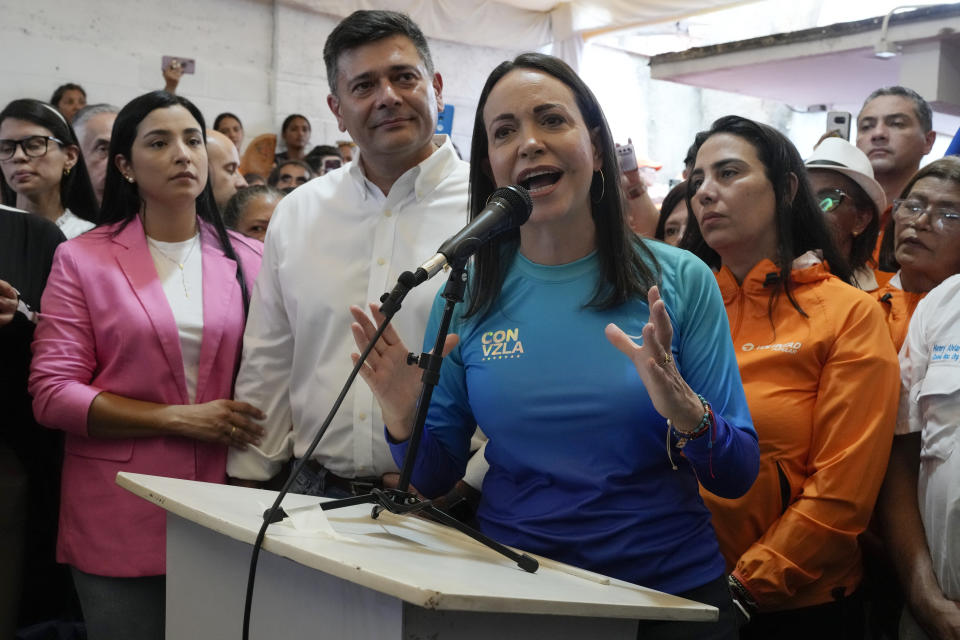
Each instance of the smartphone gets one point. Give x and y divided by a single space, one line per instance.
626 156
189 65
839 121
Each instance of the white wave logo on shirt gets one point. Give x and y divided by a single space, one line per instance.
501 344
783 347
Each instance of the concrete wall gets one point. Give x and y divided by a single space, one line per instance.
113 49
264 61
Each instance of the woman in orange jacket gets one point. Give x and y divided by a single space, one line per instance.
821 380
922 242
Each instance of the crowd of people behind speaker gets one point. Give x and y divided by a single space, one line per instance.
790 243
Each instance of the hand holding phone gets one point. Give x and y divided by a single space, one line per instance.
177 64
839 121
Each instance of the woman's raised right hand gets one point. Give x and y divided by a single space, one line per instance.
394 383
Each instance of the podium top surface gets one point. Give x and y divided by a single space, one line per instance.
409 558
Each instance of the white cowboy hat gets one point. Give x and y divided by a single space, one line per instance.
836 154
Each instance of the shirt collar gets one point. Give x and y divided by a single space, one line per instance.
896 282
421 179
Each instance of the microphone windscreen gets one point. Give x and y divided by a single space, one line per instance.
518 202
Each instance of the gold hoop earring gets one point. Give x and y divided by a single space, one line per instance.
603 188
66 171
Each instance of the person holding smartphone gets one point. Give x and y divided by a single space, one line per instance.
640 211
324 158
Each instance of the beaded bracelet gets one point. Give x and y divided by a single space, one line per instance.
683 437
707 422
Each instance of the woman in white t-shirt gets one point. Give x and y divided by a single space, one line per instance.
43 168
135 356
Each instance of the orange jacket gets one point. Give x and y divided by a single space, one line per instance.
898 307
822 390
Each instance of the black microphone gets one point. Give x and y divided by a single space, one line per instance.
507 208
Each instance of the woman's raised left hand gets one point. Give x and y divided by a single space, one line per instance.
670 394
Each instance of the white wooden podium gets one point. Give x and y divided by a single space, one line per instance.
396 578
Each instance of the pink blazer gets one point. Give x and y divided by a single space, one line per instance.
107 326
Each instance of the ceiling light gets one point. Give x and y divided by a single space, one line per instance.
884 49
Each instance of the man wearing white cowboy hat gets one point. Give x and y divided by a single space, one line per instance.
842 179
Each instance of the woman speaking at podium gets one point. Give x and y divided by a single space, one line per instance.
594 455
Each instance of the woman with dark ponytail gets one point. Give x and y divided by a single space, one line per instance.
135 357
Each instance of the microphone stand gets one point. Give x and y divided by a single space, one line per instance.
401 501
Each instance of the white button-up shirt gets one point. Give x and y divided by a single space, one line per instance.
930 405
334 242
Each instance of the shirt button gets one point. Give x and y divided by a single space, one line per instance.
381 261
388 213
362 416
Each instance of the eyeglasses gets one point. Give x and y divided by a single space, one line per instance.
941 218
33 146
830 199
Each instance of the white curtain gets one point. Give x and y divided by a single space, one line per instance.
511 24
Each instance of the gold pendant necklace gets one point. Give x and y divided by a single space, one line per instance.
180 265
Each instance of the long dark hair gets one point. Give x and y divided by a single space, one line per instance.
627 267
76 192
947 168
121 199
800 225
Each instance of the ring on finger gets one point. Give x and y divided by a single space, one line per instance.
233 431
667 359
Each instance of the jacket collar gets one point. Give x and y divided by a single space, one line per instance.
219 297
765 276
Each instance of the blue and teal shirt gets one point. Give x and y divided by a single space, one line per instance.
579 470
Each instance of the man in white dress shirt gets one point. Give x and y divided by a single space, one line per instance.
343 239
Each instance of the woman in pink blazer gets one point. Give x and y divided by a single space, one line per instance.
135 355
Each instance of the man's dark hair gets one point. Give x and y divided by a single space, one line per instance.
920 106
318 153
62 89
363 27
274 176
